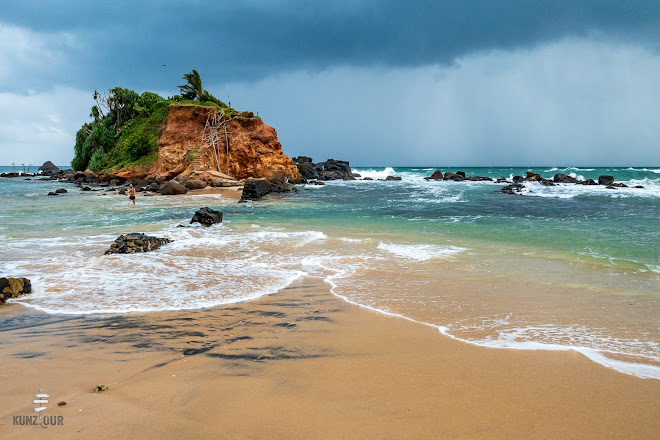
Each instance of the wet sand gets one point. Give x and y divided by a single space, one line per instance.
233 192
302 364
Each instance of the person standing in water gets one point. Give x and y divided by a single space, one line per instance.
131 193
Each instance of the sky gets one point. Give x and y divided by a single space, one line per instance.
375 82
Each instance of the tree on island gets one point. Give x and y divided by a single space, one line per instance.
193 90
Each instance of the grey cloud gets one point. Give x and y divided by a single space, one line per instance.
574 102
251 40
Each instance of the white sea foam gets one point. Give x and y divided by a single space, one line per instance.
569 190
375 174
567 169
656 171
202 267
420 252
352 240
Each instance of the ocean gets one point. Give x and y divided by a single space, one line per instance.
567 267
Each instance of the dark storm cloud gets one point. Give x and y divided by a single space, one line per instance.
250 40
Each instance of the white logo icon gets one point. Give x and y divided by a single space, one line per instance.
41 399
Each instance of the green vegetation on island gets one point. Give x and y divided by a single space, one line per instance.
125 125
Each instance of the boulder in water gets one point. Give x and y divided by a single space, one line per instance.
437 175
255 189
514 188
564 178
605 180
393 178
207 216
13 288
48 168
135 243
454 176
533 177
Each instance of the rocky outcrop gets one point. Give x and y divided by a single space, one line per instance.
605 180
206 216
136 243
253 150
171 188
48 168
13 288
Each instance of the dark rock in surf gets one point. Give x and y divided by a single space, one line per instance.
564 178
437 175
389 178
454 176
533 177
13 288
207 216
48 168
331 169
53 193
306 167
605 180
546 182
514 188
588 182
136 243
518 179
254 189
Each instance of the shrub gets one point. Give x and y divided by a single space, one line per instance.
98 161
136 145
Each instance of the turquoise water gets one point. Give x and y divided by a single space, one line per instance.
564 267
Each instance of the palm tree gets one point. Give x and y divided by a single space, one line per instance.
193 90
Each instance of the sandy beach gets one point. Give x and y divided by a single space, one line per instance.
302 364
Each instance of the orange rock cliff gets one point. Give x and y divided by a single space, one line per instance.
253 150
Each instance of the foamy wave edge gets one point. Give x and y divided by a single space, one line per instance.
643 371
244 298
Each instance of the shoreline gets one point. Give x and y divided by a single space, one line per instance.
304 363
